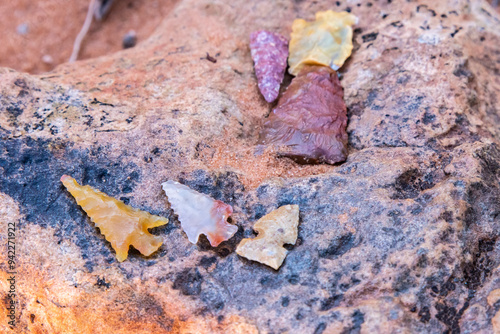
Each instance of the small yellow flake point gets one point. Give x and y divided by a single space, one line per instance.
326 41
275 229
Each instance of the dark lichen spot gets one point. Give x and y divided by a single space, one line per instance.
455 32
259 211
293 279
424 314
207 261
125 200
285 301
21 83
95 101
404 281
225 187
188 282
462 70
369 37
331 302
320 328
447 287
411 183
156 151
479 268
101 282
447 216
358 318
339 246
428 118
449 316
395 216
15 110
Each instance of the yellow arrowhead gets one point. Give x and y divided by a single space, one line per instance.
275 229
326 41
121 224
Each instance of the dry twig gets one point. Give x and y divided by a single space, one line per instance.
83 31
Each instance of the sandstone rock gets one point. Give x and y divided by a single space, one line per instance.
402 237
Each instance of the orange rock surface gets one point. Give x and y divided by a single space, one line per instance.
401 237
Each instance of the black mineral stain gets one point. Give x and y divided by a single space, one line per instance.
101 282
411 183
137 306
428 118
21 83
339 246
320 328
483 197
448 315
15 110
225 187
293 279
213 300
358 318
404 281
302 196
95 101
476 271
189 282
462 70
331 302
424 314
30 172
369 37
207 261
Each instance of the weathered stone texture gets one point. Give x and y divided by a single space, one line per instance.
402 237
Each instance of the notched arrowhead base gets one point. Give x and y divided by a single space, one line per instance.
275 229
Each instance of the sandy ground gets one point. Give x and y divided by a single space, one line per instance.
39 35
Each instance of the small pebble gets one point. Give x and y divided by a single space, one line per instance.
129 40
22 29
47 59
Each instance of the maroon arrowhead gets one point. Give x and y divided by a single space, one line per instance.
269 53
309 123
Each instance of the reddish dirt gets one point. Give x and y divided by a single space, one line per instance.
34 29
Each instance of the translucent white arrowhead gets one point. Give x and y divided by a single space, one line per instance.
200 214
